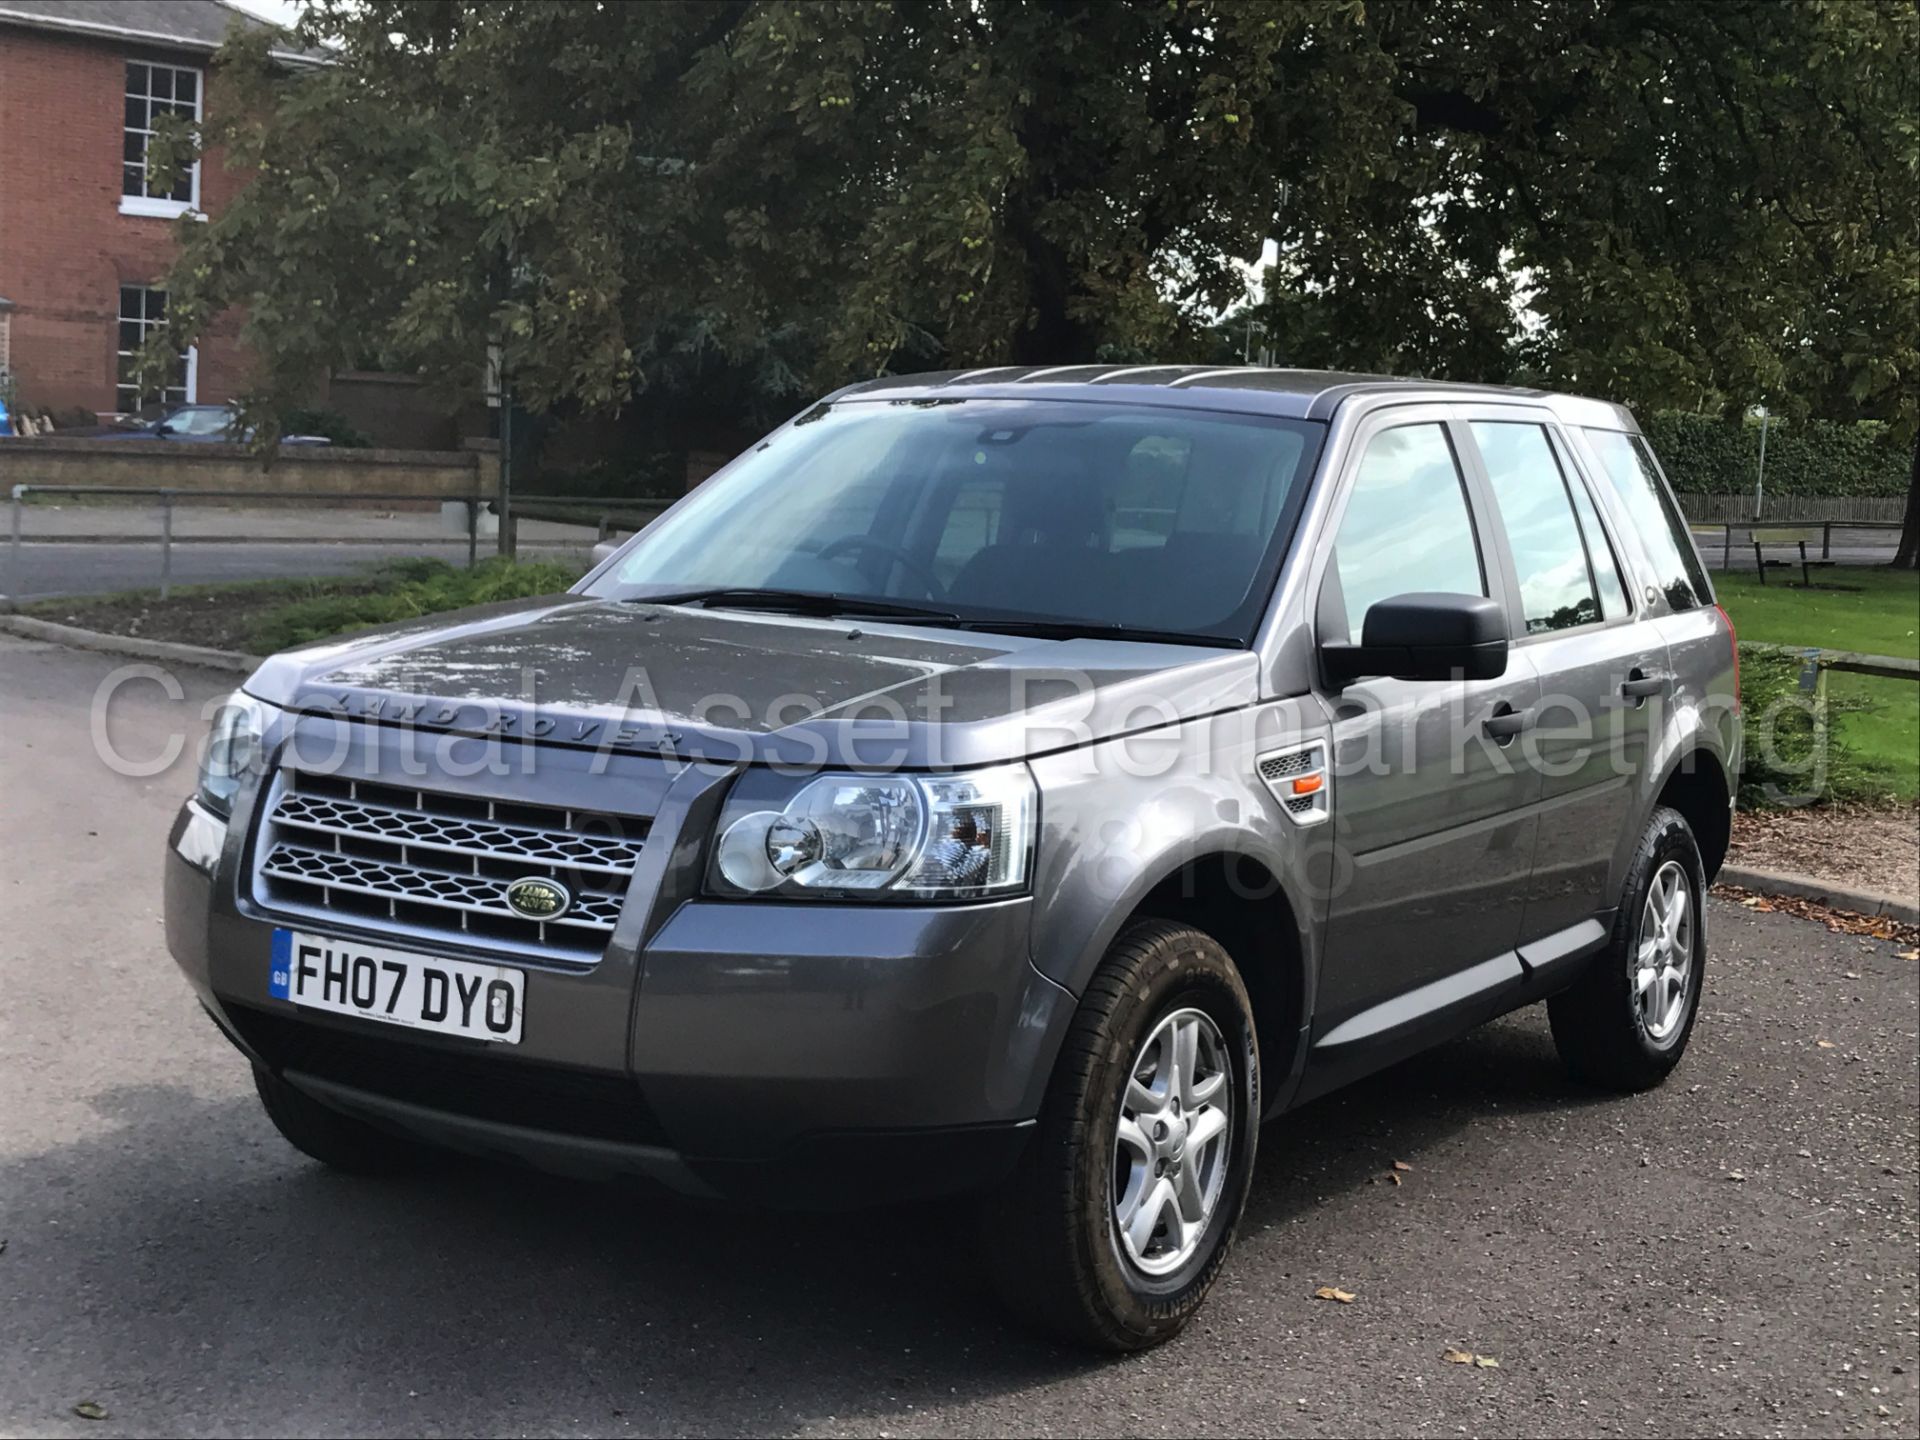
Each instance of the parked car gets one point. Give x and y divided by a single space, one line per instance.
197 424
1018 782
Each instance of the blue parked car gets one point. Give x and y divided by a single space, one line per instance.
204 424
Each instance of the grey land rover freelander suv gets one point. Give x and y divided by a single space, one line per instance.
1021 782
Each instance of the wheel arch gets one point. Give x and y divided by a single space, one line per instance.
1244 904
1696 784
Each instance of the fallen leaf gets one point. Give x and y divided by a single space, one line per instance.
90 1410
1840 922
1458 1357
1486 1362
1910 954
1824 1044
1402 1166
1329 1292
1393 1177
1735 1175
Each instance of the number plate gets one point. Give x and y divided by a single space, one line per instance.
421 992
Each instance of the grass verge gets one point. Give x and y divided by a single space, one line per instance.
1874 610
262 616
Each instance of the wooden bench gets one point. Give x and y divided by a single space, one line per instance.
1786 536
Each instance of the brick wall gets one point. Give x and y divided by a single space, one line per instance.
65 248
226 468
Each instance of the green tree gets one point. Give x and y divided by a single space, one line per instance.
1694 205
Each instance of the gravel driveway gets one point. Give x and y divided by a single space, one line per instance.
1732 1254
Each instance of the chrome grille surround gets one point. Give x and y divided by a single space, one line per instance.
432 865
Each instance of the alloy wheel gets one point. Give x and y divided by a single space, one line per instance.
1171 1146
1663 958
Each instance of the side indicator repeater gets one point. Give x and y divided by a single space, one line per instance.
1299 779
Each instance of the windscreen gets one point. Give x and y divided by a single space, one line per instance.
1113 515
210 421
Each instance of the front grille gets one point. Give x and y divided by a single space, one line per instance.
435 865
448 1076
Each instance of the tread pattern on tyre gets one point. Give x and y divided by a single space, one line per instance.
1031 1243
1594 1026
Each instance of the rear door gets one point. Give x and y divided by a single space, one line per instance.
1432 817
1603 670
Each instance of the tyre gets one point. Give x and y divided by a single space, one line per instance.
335 1140
1625 1022
1123 1209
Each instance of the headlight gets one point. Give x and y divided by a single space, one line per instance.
235 750
899 837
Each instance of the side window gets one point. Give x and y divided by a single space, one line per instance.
1606 567
1556 588
1406 525
1655 517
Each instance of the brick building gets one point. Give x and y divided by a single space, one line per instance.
85 241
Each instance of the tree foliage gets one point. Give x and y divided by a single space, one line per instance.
1694 205
1702 454
1700 205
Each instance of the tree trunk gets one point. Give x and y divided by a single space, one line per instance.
1907 557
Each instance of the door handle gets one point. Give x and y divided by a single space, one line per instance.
1639 685
1506 722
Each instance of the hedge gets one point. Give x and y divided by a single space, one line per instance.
1704 455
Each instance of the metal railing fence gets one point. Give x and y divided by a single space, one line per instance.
606 514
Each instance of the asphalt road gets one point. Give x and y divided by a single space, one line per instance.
1732 1254
49 571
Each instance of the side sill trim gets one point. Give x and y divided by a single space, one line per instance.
1553 955
1429 999
1538 962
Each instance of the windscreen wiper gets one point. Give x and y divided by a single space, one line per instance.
794 602
1064 629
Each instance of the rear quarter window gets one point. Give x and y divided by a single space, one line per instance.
1654 515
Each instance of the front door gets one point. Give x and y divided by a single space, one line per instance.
1432 809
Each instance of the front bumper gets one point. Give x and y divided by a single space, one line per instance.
805 1054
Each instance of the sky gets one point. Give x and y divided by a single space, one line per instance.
281 12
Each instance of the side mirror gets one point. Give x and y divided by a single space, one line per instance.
163 429
1424 637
